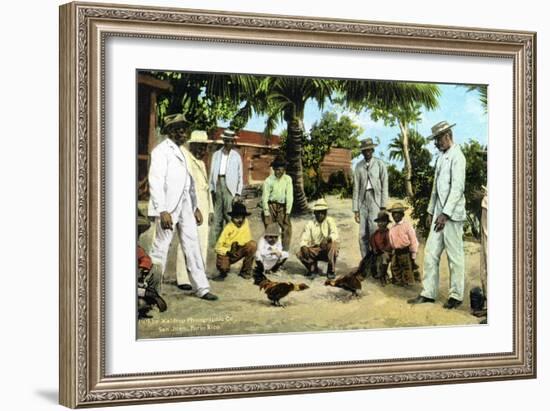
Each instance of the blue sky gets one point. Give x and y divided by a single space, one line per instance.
456 105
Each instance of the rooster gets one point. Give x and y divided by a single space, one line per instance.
350 282
277 290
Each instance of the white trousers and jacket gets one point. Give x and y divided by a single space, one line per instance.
447 198
172 189
197 170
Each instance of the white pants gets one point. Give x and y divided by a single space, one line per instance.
182 277
270 261
184 222
483 259
451 240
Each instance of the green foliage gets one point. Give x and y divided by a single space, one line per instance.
423 175
417 149
340 184
422 180
330 131
482 92
396 182
205 99
476 176
314 186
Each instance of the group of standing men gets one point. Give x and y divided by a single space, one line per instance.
447 211
202 207
181 191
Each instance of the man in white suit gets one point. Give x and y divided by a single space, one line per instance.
198 145
173 203
448 205
226 182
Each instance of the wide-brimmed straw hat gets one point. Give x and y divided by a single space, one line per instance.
320 205
172 120
440 128
238 209
398 207
272 230
367 143
382 216
199 136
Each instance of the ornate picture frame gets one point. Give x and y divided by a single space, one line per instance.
84 30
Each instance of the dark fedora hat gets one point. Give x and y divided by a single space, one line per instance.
173 121
238 209
382 216
278 162
367 144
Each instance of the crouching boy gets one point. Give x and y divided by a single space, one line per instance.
381 247
405 245
235 244
270 255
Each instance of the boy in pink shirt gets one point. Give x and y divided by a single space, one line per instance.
405 245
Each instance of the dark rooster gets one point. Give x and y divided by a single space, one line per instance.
276 290
352 281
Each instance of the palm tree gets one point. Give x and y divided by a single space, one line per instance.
205 98
284 98
397 104
482 90
416 145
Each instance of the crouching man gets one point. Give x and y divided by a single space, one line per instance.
319 242
147 280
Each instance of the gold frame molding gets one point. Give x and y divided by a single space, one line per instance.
84 27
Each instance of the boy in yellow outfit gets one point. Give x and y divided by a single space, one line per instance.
235 243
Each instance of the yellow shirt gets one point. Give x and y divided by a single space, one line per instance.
314 233
231 234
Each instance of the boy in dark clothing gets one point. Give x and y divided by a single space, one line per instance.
381 248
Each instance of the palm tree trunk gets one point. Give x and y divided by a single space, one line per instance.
407 158
294 164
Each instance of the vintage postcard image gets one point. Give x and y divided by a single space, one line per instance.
276 204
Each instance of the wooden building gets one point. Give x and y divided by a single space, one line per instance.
147 92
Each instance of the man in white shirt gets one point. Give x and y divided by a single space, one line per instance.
173 203
319 242
226 182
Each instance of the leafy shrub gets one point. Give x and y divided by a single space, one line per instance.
340 184
396 182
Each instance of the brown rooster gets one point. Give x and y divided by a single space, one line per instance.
276 290
350 282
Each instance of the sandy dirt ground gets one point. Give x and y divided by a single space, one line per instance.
243 309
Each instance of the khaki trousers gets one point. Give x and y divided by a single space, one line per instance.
326 251
280 217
